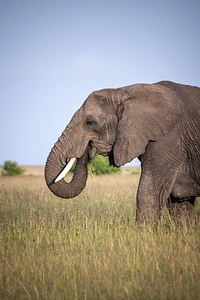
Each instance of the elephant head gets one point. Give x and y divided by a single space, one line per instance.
118 123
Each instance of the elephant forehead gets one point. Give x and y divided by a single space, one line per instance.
93 107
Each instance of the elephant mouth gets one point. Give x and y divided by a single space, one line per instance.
99 148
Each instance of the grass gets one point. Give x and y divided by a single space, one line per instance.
88 247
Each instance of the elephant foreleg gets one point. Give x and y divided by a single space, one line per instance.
150 202
153 192
159 173
182 211
148 210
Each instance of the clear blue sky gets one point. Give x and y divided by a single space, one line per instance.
54 53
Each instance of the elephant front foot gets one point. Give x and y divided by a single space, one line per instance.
182 211
147 217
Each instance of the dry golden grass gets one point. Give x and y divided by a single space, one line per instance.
88 247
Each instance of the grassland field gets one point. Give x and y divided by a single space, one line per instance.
89 247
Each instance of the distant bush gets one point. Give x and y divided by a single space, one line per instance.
100 165
11 168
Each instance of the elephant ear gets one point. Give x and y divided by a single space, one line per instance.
141 120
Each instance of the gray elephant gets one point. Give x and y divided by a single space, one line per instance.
158 123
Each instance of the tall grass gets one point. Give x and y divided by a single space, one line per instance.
88 247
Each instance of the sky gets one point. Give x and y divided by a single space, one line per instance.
53 54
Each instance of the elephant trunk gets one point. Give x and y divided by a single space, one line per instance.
54 167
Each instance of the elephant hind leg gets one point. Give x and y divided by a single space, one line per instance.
182 211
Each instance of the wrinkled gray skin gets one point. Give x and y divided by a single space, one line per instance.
158 123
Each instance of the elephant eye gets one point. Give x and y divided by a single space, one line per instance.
91 124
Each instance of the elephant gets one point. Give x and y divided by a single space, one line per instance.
159 123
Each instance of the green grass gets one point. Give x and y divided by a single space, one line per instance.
89 247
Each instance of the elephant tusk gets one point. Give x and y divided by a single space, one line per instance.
66 169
